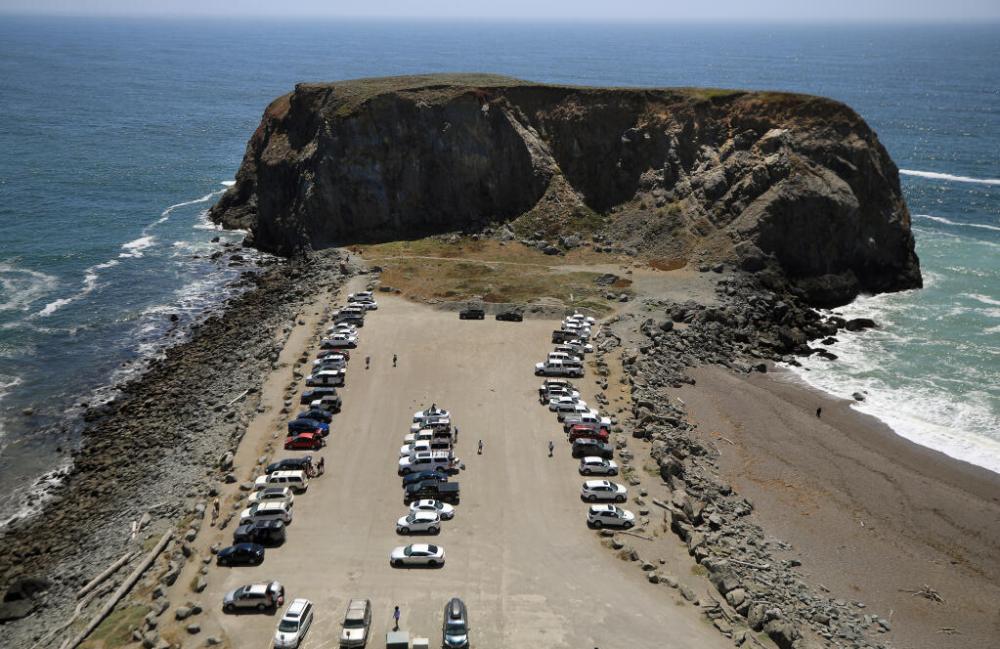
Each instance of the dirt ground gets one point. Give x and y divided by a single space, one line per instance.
518 551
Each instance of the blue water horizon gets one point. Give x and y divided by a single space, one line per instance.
119 132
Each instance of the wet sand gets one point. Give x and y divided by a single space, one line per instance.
871 515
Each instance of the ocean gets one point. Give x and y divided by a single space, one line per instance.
117 135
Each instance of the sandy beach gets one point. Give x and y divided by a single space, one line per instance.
871 516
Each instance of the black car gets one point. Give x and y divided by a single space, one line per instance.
317 414
241 554
471 313
303 463
447 492
420 476
308 426
590 446
316 393
269 533
510 316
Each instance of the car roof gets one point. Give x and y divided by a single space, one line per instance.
425 515
597 483
592 459
296 607
602 508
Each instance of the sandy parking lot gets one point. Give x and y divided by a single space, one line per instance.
518 551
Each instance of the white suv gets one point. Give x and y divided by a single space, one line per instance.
418 521
610 516
603 490
594 465
294 624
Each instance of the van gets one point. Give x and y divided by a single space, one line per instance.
297 481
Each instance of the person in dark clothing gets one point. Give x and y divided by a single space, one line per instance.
819 411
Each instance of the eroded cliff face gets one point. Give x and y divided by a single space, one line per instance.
795 184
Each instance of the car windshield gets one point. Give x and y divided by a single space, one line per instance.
354 624
288 626
455 628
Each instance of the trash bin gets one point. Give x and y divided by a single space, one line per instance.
397 640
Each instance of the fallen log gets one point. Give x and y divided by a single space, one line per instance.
107 572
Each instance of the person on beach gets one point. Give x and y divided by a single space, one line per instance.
551 447
395 618
394 360
368 362
480 447
456 434
819 411
215 510
321 467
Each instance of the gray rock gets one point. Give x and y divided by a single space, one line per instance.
193 628
182 612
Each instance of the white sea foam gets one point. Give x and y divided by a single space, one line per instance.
941 219
90 282
228 183
23 286
134 248
936 175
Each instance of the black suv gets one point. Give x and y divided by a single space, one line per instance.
471 313
510 316
447 492
268 533
589 446
316 393
303 463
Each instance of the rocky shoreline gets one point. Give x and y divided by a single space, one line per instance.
144 456
751 326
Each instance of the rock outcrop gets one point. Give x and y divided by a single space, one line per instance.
794 183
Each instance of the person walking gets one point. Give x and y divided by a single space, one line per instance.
215 510
480 447
456 434
321 467
394 360
819 411
551 447
368 362
395 618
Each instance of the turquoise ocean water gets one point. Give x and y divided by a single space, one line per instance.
116 135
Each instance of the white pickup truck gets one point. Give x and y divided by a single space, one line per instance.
426 461
559 368
589 418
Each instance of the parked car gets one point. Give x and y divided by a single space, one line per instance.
369 305
297 481
360 296
448 492
267 511
559 368
444 510
580 431
561 336
554 384
338 341
343 328
430 413
420 476
312 441
590 446
279 494
317 393
330 363
434 423
455 629
603 491
568 403
258 597
329 404
610 516
357 622
316 414
587 419
303 463
241 554
266 533
595 465
510 316
328 378
428 522
471 313
417 554
294 624
564 410
307 425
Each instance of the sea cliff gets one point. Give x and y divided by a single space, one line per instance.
795 186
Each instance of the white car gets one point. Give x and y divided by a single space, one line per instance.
428 522
564 410
563 357
421 435
579 316
610 516
360 296
368 305
417 554
277 494
444 510
294 624
339 341
272 510
593 465
419 446
603 490
343 328
555 392
580 346
432 422
566 402
431 413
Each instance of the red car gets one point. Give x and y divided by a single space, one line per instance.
582 430
304 441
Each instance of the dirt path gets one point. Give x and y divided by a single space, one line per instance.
518 552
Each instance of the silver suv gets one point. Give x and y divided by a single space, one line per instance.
357 620
261 597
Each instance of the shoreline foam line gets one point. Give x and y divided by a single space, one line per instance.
941 219
937 175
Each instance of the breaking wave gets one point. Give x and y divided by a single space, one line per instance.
941 219
20 287
936 175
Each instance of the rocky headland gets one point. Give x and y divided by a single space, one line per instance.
795 187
